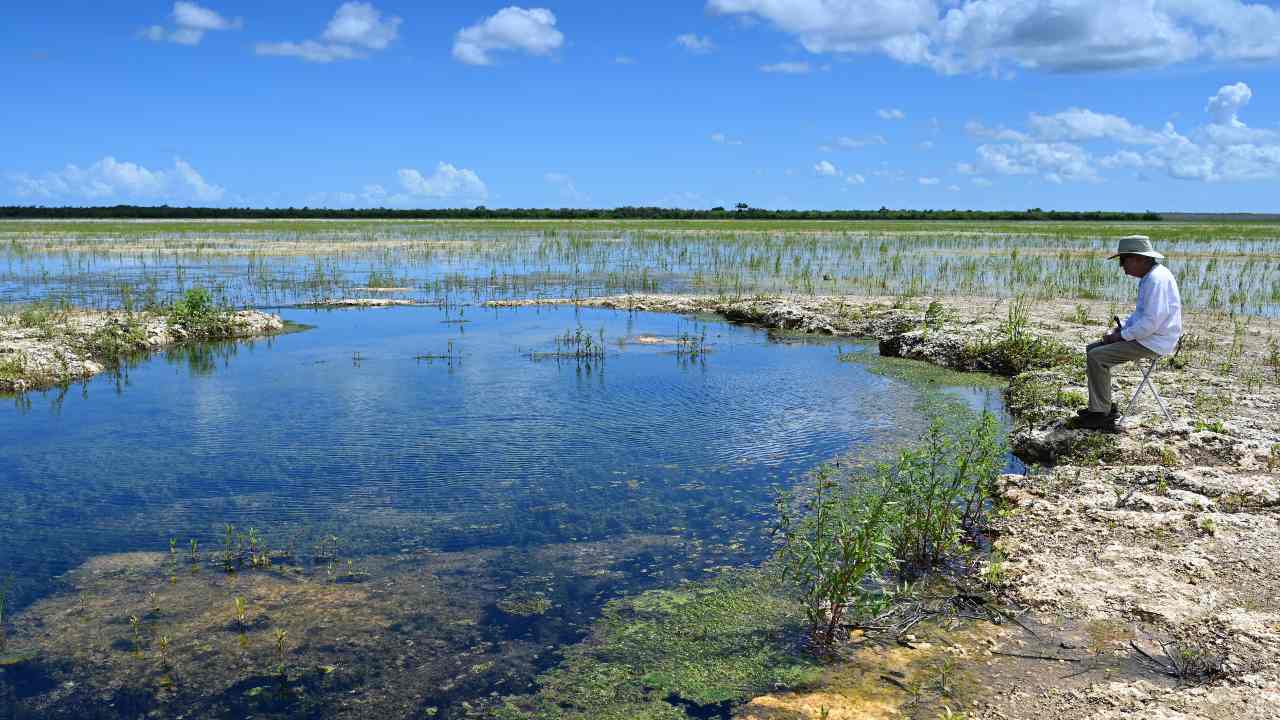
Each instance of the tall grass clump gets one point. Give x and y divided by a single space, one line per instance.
1014 349
842 544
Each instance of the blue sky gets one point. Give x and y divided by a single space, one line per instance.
987 104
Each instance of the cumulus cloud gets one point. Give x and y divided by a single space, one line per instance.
356 27
1077 125
109 179
928 181
787 68
1226 103
855 179
190 23
530 30
695 43
891 114
447 182
1225 149
958 36
826 169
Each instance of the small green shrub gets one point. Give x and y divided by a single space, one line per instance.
836 543
197 314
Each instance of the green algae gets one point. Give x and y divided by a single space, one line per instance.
668 654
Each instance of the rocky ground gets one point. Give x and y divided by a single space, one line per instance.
1159 541
42 348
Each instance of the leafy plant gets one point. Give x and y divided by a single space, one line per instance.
834 544
198 314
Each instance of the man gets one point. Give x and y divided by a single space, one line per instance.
1153 329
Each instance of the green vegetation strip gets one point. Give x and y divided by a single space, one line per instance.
654 656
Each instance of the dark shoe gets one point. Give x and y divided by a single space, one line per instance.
1115 411
1095 421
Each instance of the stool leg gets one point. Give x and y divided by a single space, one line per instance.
1146 379
1163 408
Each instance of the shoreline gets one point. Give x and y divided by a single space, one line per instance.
1165 533
1163 536
45 348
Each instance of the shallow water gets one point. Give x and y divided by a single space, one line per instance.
341 442
342 427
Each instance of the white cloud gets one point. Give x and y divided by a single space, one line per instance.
853 143
447 182
891 114
355 28
1225 105
1078 125
1224 150
1057 162
721 138
957 36
695 43
928 181
362 25
309 50
109 178
624 60
826 169
855 179
981 182
953 188
788 68
190 23
530 30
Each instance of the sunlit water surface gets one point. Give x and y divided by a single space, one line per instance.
344 435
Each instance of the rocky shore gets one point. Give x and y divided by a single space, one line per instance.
1161 540
42 348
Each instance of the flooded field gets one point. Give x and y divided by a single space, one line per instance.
1226 267
421 511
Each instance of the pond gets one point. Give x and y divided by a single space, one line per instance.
405 509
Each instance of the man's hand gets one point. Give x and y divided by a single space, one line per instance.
1112 337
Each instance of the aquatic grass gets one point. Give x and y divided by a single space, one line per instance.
671 654
1227 267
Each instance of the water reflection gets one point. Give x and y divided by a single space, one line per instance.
524 492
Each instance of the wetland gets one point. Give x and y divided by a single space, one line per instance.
521 469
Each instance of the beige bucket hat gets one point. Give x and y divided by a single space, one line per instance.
1136 245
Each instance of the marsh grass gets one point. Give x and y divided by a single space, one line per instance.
1230 268
1015 349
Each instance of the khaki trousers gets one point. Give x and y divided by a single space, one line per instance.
1100 358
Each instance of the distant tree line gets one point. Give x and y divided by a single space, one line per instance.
739 212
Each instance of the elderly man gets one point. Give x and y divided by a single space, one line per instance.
1152 330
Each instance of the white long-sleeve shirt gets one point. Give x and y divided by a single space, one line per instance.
1156 323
